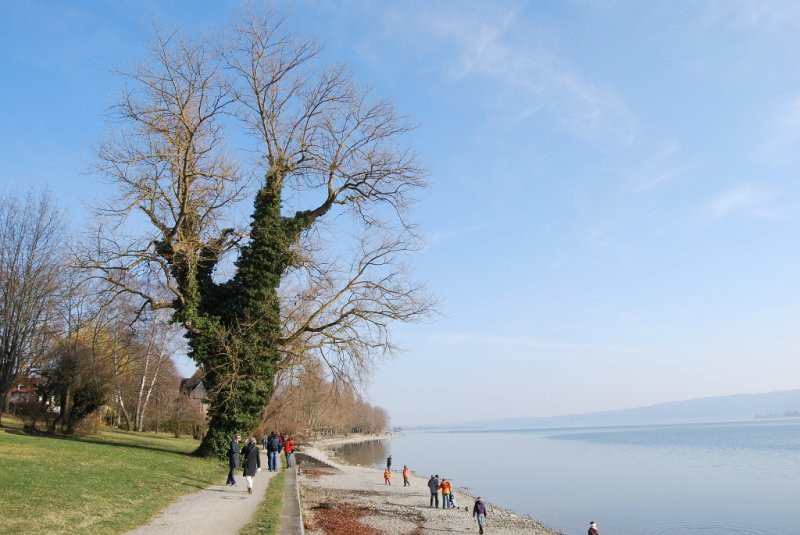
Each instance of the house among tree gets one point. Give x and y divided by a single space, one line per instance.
24 390
193 387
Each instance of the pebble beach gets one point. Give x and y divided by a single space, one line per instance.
340 499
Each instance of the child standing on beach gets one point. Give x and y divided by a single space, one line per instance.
479 511
445 486
387 477
406 474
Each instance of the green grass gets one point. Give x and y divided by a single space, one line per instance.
104 484
267 519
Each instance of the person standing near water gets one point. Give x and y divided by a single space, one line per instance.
479 511
251 462
288 449
406 474
233 458
593 528
389 462
387 477
445 486
433 484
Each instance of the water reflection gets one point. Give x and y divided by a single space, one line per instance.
368 453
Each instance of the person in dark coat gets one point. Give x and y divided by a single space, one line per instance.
251 462
433 484
233 458
273 449
479 512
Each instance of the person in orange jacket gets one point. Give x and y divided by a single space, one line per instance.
387 477
445 487
406 475
288 450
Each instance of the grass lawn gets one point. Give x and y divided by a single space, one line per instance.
104 484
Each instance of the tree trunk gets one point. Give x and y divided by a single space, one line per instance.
249 330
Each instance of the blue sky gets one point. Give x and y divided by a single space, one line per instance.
615 186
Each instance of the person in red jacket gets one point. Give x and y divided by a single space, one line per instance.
288 450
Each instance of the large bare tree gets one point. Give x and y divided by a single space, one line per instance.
32 261
318 271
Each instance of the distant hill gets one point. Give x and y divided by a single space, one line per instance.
712 409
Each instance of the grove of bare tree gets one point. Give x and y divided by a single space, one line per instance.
32 258
307 402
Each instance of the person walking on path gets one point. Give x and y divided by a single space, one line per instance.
446 486
389 462
406 475
233 458
288 450
251 462
593 528
273 449
433 484
264 439
387 477
479 512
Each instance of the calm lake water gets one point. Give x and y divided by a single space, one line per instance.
704 479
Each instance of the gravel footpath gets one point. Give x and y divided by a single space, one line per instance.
360 492
216 510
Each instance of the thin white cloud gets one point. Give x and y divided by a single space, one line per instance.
500 341
441 236
488 42
783 141
516 347
748 200
598 237
770 16
659 169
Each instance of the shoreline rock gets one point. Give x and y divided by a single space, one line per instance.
348 499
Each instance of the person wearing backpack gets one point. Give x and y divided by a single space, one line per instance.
273 449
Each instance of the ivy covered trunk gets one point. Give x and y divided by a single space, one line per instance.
235 327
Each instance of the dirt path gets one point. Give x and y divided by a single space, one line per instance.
216 510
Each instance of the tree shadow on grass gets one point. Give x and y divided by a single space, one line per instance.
102 441
198 483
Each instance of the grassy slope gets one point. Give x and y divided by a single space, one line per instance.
105 484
